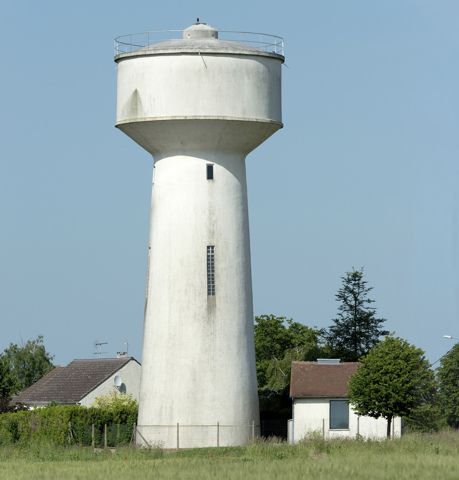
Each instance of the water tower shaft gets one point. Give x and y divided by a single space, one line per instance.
199 105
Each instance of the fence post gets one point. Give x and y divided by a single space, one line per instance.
105 435
93 443
70 430
323 428
218 434
135 434
178 436
358 426
253 430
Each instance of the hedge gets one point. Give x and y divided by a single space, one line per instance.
52 424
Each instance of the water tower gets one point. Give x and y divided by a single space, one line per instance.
198 104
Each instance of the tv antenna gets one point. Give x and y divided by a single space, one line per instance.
98 345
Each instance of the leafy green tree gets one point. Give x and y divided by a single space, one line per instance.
356 329
448 379
426 418
395 380
278 341
8 381
29 362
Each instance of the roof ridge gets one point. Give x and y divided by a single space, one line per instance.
100 359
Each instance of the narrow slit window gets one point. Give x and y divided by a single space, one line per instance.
210 171
210 270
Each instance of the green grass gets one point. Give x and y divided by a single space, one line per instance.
415 456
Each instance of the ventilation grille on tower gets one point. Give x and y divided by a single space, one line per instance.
211 270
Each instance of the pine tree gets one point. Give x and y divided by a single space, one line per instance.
356 329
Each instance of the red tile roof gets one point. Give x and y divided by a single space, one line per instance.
72 383
310 379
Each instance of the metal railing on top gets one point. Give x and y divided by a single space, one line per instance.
262 41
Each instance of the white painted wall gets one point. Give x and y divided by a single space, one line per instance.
198 358
313 414
130 375
210 85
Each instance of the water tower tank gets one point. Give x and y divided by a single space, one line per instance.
199 104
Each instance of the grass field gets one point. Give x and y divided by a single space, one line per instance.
426 456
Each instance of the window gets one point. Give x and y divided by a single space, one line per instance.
210 270
210 171
339 415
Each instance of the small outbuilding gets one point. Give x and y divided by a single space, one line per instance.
82 381
320 403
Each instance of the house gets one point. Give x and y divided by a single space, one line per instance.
82 381
318 392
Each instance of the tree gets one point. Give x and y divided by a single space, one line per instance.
8 381
276 345
356 330
448 379
278 341
395 380
28 362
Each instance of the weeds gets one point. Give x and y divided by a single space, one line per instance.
412 456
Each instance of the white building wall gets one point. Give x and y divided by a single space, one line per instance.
313 414
130 376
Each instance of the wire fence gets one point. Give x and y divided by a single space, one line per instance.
180 435
101 435
177 435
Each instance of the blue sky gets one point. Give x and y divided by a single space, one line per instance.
364 173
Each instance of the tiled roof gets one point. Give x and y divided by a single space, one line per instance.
310 379
71 383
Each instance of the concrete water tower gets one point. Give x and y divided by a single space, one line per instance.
199 105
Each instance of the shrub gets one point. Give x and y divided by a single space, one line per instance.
52 424
115 399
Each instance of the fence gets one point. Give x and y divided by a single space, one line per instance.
180 435
172 436
107 435
358 426
262 41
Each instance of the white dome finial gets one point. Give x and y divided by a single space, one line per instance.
200 30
